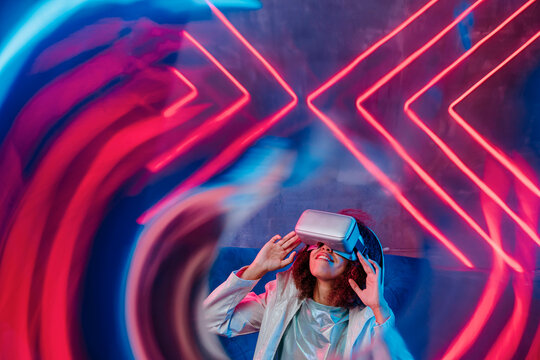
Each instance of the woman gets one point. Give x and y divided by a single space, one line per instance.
324 307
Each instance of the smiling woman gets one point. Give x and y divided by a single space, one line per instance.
329 305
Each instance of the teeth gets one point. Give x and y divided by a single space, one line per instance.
324 256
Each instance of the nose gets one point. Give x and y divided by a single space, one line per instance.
326 248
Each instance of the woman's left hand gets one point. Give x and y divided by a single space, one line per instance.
372 295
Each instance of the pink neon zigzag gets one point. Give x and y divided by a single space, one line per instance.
171 110
405 156
208 127
370 166
446 149
495 152
240 144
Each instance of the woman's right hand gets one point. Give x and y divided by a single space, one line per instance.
272 256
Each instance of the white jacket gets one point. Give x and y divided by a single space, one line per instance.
231 309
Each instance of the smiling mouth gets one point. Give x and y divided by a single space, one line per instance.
324 257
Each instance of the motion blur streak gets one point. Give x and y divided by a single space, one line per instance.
139 139
43 18
535 346
44 240
69 230
167 270
508 340
174 230
498 275
47 15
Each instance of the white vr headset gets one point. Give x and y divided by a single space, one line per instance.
339 232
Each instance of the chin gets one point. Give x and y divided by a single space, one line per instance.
322 272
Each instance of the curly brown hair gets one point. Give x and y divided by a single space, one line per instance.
343 295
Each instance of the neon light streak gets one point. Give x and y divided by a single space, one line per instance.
171 110
405 156
210 126
40 21
496 153
238 146
216 164
21 255
71 239
254 51
392 188
371 167
490 295
535 346
449 153
416 54
346 70
509 339
439 191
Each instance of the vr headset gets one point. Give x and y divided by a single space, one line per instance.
339 232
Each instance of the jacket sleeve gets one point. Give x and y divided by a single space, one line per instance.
232 309
387 343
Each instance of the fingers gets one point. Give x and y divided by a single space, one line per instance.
288 260
355 287
365 264
286 238
291 243
375 265
275 238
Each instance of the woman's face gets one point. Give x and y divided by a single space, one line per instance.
325 264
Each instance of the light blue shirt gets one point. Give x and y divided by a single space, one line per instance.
317 331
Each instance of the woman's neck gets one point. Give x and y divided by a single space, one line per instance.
322 292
